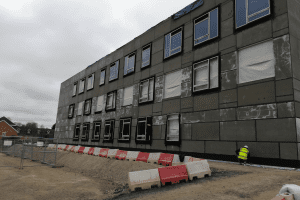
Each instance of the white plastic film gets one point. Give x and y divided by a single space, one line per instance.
144 91
128 96
81 86
173 128
80 105
256 62
214 71
172 84
151 86
201 74
99 103
74 89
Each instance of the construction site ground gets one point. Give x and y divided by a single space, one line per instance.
93 177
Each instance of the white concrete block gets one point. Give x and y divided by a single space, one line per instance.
198 169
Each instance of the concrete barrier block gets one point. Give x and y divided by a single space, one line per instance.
173 174
96 151
86 150
144 179
112 153
198 169
132 155
153 158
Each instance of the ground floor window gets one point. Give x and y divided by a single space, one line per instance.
125 128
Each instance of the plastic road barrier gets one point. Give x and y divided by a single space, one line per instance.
72 149
59 146
173 174
118 154
166 159
81 149
91 151
123 155
103 153
176 160
66 147
143 156
191 159
112 153
76 149
198 169
132 155
144 179
51 146
86 150
96 151
153 158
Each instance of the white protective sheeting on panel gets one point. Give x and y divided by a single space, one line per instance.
214 71
256 62
201 75
151 87
80 106
128 96
172 84
173 127
99 103
144 90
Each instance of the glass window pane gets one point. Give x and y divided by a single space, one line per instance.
201 74
144 91
241 18
142 128
97 130
109 100
167 45
102 77
266 12
201 29
214 73
126 129
107 127
176 41
74 90
126 65
146 57
213 23
99 103
131 64
257 5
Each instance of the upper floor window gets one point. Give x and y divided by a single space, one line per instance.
71 111
97 130
146 53
144 129
109 130
125 125
206 27
99 106
81 86
248 11
77 131
80 107
173 43
102 77
114 71
111 100
172 86
90 83
146 90
74 89
128 96
206 74
87 106
129 64
256 62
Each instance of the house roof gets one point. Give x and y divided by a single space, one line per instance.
13 127
7 121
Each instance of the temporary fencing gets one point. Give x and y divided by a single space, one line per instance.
153 158
143 156
81 149
67 146
103 153
132 155
97 151
144 179
112 153
91 151
118 154
76 149
173 174
72 149
123 155
198 169
86 150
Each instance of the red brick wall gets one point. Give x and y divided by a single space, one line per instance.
4 127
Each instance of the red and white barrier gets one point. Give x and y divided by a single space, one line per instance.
112 153
86 150
153 158
191 159
123 155
72 149
81 149
198 169
96 151
103 153
143 156
132 155
173 174
66 147
166 159
76 149
61 146
144 179
91 151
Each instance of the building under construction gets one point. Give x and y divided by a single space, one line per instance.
215 76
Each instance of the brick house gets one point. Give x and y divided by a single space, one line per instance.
8 128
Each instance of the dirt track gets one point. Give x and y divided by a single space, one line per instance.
78 180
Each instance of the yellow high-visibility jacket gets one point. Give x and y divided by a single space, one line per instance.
243 153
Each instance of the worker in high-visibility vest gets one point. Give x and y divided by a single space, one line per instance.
243 154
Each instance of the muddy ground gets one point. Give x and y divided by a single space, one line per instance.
92 177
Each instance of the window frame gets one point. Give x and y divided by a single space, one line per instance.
209 71
121 136
72 105
89 112
92 87
148 120
114 93
111 65
169 142
85 133
75 84
140 84
82 80
134 63
104 77
247 16
208 17
96 123
111 130
145 47
78 125
170 33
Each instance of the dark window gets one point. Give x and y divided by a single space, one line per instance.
109 130
87 106
97 130
77 131
111 100
85 132
71 111
125 125
144 129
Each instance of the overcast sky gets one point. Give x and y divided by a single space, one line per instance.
43 43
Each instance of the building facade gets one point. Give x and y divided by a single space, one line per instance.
211 78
